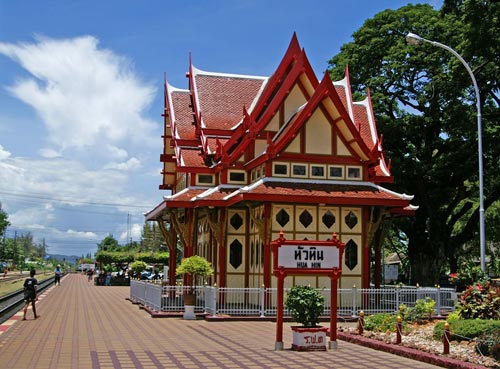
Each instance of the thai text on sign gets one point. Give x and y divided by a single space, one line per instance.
308 257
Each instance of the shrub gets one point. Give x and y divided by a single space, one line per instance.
465 328
196 266
383 322
489 342
305 304
138 266
479 301
422 311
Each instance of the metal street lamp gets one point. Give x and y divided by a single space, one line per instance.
414 39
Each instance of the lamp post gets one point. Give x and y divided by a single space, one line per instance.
414 39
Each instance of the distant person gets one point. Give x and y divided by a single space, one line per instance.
58 274
5 270
30 294
90 273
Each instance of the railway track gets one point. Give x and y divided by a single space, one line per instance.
11 303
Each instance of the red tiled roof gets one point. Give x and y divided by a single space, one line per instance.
183 115
328 193
361 119
191 158
222 98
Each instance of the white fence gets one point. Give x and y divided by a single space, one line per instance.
262 301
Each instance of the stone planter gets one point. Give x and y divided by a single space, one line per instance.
309 338
189 304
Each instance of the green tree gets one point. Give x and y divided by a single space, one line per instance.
425 108
109 243
152 238
4 221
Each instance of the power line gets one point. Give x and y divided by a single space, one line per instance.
70 201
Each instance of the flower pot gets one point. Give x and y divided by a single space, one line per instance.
189 304
189 299
309 338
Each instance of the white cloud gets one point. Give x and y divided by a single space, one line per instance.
4 154
71 232
131 164
86 96
135 232
49 153
93 135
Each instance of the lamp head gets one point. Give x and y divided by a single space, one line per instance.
413 39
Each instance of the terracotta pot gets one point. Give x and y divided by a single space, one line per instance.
309 338
189 299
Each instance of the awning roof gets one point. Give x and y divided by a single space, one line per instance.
355 193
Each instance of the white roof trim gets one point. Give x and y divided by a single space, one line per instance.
371 121
343 83
212 190
197 71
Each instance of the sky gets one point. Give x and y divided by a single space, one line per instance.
81 97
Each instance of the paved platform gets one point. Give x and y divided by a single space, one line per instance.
90 327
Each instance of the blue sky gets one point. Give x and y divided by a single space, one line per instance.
81 96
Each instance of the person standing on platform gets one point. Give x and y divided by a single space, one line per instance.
90 273
58 274
30 294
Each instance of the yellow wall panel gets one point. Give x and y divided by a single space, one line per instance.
293 101
318 134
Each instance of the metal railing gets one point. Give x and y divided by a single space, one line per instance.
262 301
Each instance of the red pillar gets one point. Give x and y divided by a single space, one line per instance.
278 346
333 310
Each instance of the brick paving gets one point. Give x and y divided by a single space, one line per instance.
92 327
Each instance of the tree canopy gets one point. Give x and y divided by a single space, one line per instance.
424 104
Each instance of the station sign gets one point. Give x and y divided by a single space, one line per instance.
308 257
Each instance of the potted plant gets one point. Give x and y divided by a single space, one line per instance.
305 304
199 269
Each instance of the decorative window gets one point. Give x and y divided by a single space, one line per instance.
328 219
282 217
235 254
257 255
252 253
237 176
252 176
305 218
280 169
236 221
318 171
351 254
351 220
262 253
299 170
354 173
205 179
335 172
